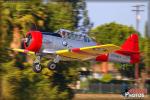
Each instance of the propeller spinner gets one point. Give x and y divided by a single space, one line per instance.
33 41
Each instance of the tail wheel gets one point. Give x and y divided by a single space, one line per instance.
52 66
37 67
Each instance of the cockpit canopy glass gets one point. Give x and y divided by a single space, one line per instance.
69 35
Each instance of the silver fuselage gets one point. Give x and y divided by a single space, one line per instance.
54 43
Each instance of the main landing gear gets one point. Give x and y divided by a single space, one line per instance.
51 65
36 65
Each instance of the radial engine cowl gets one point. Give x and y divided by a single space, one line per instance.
33 41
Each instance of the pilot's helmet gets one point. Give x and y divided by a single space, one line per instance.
62 33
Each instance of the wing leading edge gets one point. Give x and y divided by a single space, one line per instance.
24 51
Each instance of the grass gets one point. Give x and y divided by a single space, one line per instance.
103 97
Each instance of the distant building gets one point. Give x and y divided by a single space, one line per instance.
106 67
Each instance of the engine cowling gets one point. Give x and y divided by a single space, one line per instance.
33 41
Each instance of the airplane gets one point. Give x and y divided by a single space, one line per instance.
65 45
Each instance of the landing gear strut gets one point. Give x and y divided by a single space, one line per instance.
36 65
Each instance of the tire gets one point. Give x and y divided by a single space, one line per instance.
52 66
37 67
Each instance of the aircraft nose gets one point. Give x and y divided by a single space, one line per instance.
33 41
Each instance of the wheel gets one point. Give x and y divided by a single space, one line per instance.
52 66
37 67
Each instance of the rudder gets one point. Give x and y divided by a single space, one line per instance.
131 44
131 48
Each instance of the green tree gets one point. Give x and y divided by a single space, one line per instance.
147 50
5 40
112 33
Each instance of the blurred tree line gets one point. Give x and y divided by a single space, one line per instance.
147 50
17 80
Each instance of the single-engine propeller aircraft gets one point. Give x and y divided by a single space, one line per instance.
65 45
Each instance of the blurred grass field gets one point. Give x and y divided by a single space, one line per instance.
105 97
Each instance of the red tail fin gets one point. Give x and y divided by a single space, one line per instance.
131 48
131 44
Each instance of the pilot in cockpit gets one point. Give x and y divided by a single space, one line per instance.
63 33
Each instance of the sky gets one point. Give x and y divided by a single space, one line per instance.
120 12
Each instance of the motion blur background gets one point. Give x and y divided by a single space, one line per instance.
106 22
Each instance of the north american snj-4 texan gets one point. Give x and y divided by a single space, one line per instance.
65 45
